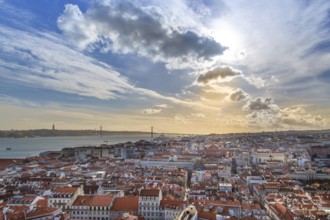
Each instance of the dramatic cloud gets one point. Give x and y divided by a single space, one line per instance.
263 119
42 60
223 73
151 111
297 116
292 110
112 58
266 116
124 27
260 103
268 119
237 96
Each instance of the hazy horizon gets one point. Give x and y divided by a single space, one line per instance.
199 67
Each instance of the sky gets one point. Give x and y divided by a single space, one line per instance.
198 66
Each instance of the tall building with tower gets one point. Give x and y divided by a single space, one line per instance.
53 127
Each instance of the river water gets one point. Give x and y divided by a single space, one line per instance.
26 147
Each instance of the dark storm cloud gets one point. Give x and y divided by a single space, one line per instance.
259 103
219 72
238 96
130 29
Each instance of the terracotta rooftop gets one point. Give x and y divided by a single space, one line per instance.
172 204
82 201
4 163
250 206
207 215
14 216
41 212
19 208
128 203
42 202
282 212
150 192
101 200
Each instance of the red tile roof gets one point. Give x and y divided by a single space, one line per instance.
43 202
282 212
82 201
101 200
19 208
207 215
128 203
4 163
15 216
41 212
150 192
172 204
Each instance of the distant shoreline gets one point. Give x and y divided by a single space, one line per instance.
78 133
61 133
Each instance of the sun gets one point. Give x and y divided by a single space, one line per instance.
225 33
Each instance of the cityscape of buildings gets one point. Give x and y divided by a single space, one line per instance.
222 70
252 176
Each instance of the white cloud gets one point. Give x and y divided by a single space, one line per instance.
74 26
162 106
288 54
127 27
260 103
256 81
265 114
5 100
219 74
151 111
43 60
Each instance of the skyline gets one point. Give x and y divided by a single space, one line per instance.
184 66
